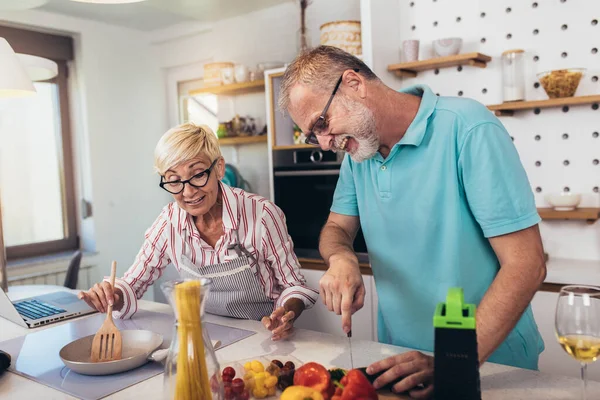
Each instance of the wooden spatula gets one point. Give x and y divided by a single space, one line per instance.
107 342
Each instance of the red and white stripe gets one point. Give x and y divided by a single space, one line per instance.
262 231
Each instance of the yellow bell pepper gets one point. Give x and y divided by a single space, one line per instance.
301 393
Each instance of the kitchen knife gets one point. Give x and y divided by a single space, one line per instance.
350 344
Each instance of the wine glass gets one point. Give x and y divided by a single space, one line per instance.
578 325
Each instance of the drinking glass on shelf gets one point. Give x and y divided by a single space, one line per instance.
577 324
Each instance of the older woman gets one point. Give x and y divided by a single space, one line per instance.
237 239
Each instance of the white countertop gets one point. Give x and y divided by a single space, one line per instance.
572 272
497 381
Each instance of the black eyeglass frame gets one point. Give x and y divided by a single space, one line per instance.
311 137
189 181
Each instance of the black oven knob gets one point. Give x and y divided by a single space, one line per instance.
316 156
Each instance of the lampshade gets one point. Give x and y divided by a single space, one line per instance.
108 1
38 68
14 81
6 5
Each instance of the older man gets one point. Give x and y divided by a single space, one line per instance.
443 200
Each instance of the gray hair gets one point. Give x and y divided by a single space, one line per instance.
319 68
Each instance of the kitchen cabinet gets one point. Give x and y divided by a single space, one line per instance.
319 318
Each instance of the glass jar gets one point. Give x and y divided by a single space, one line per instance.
513 79
192 371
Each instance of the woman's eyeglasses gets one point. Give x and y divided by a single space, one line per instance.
198 181
320 123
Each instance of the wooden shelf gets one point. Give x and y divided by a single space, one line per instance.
233 89
295 147
410 69
590 215
508 108
241 140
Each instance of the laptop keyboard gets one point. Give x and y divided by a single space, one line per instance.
35 309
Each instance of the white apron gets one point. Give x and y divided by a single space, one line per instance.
235 291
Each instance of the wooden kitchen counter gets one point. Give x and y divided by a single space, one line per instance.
561 272
318 264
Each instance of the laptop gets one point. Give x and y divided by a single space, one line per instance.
41 310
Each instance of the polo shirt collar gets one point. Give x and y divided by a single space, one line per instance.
416 130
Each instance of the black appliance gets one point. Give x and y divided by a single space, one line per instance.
304 184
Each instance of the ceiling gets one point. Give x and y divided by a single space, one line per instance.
158 14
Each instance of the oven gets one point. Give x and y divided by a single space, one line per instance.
304 183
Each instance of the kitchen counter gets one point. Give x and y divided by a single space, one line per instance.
560 271
497 381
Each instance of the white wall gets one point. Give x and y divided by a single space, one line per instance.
394 23
119 113
265 35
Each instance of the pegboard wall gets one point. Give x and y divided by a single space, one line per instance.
559 147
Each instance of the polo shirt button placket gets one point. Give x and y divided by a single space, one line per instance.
384 179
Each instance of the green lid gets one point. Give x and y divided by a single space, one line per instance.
454 313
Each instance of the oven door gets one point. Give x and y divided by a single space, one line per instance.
305 197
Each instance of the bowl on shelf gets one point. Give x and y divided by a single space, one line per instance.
561 82
564 201
447 46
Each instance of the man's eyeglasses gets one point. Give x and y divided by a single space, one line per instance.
321 122
198 181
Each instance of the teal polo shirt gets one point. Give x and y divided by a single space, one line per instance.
453 181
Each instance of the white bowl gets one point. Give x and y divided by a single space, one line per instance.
564 201
447 46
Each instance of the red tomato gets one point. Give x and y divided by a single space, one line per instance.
229 393
229 372
245 395
237 385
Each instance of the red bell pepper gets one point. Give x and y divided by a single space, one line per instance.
356 386
315 376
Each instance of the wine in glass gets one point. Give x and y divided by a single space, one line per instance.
578 325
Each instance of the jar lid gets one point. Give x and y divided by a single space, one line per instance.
513 51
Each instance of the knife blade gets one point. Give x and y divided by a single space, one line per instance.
350 344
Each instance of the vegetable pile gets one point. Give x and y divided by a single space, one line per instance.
312 381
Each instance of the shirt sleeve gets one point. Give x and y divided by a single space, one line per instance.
344 197
494 180
278 251
147 268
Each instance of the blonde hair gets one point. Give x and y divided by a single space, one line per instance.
319 68
183 143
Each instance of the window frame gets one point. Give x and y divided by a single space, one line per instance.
59 50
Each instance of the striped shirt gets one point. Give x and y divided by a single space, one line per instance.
262 231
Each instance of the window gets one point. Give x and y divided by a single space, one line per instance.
37 191
200 109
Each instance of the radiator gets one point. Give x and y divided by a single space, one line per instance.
52 276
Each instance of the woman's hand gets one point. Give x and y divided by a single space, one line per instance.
280 323
101 295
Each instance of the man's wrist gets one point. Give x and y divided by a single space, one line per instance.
345 257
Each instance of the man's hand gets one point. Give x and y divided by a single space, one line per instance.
101 295
412 370
280 323
342 289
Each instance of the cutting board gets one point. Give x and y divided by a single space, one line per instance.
387 395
